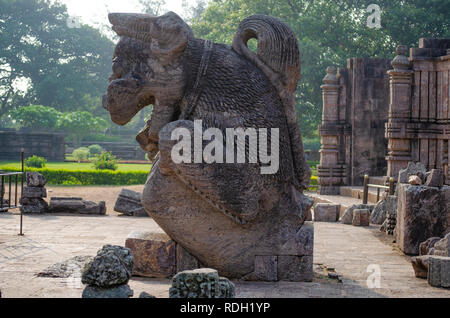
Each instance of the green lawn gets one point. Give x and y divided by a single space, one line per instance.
77 166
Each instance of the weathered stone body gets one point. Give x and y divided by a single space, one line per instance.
129 203
361 217
442 247
224 214
201 283
422 213
420 265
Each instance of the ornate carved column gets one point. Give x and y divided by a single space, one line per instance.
399 148
330 171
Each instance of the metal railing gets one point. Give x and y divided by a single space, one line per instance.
389 189
10 181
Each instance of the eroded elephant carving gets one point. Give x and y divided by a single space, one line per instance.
226 214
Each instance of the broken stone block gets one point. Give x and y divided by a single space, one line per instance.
201 283
420 265
295 268
422 213
112 266
427 247
414 180
184 260
347 217
442 247
34 192
435 178
121 291
361 217
146 295
34 206
154 254
76 206
326 212
379 213
129 203
439 271
413 169
35 179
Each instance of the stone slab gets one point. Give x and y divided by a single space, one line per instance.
129 203
439 271
34 192
76 206
154 254
361 217
326 212
422 213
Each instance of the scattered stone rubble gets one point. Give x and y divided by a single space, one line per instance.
361 217
129 203
33 195
107 275
347 217
67 268
434 261
382 208
423 211
201 283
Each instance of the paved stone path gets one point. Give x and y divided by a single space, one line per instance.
51 239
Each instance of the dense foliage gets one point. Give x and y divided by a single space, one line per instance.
36 117
35 162
80 124
95 150
61 65
105 161
81 154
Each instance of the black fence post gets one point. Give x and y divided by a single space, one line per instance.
21 196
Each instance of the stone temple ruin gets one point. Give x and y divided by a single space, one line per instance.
381 124
375 120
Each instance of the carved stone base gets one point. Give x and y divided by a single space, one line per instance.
157 255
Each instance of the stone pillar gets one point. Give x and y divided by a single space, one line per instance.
399 148
330 171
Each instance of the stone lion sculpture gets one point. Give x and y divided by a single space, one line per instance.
230 216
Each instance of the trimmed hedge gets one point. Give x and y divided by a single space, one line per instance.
89 177
99 177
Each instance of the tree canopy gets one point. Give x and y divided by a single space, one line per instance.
57 63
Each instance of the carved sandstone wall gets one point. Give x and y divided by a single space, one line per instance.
419 114
355 110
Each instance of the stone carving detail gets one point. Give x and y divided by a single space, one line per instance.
201 283
159 61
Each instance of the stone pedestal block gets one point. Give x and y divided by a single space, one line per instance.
35 179
361 217
295 268
154 254
439 271
325 212
422 213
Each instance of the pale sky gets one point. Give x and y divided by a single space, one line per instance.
96 11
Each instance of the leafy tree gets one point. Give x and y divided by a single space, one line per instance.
329 32
80 124
46 60
36 116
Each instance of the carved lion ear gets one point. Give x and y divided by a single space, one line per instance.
167 35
